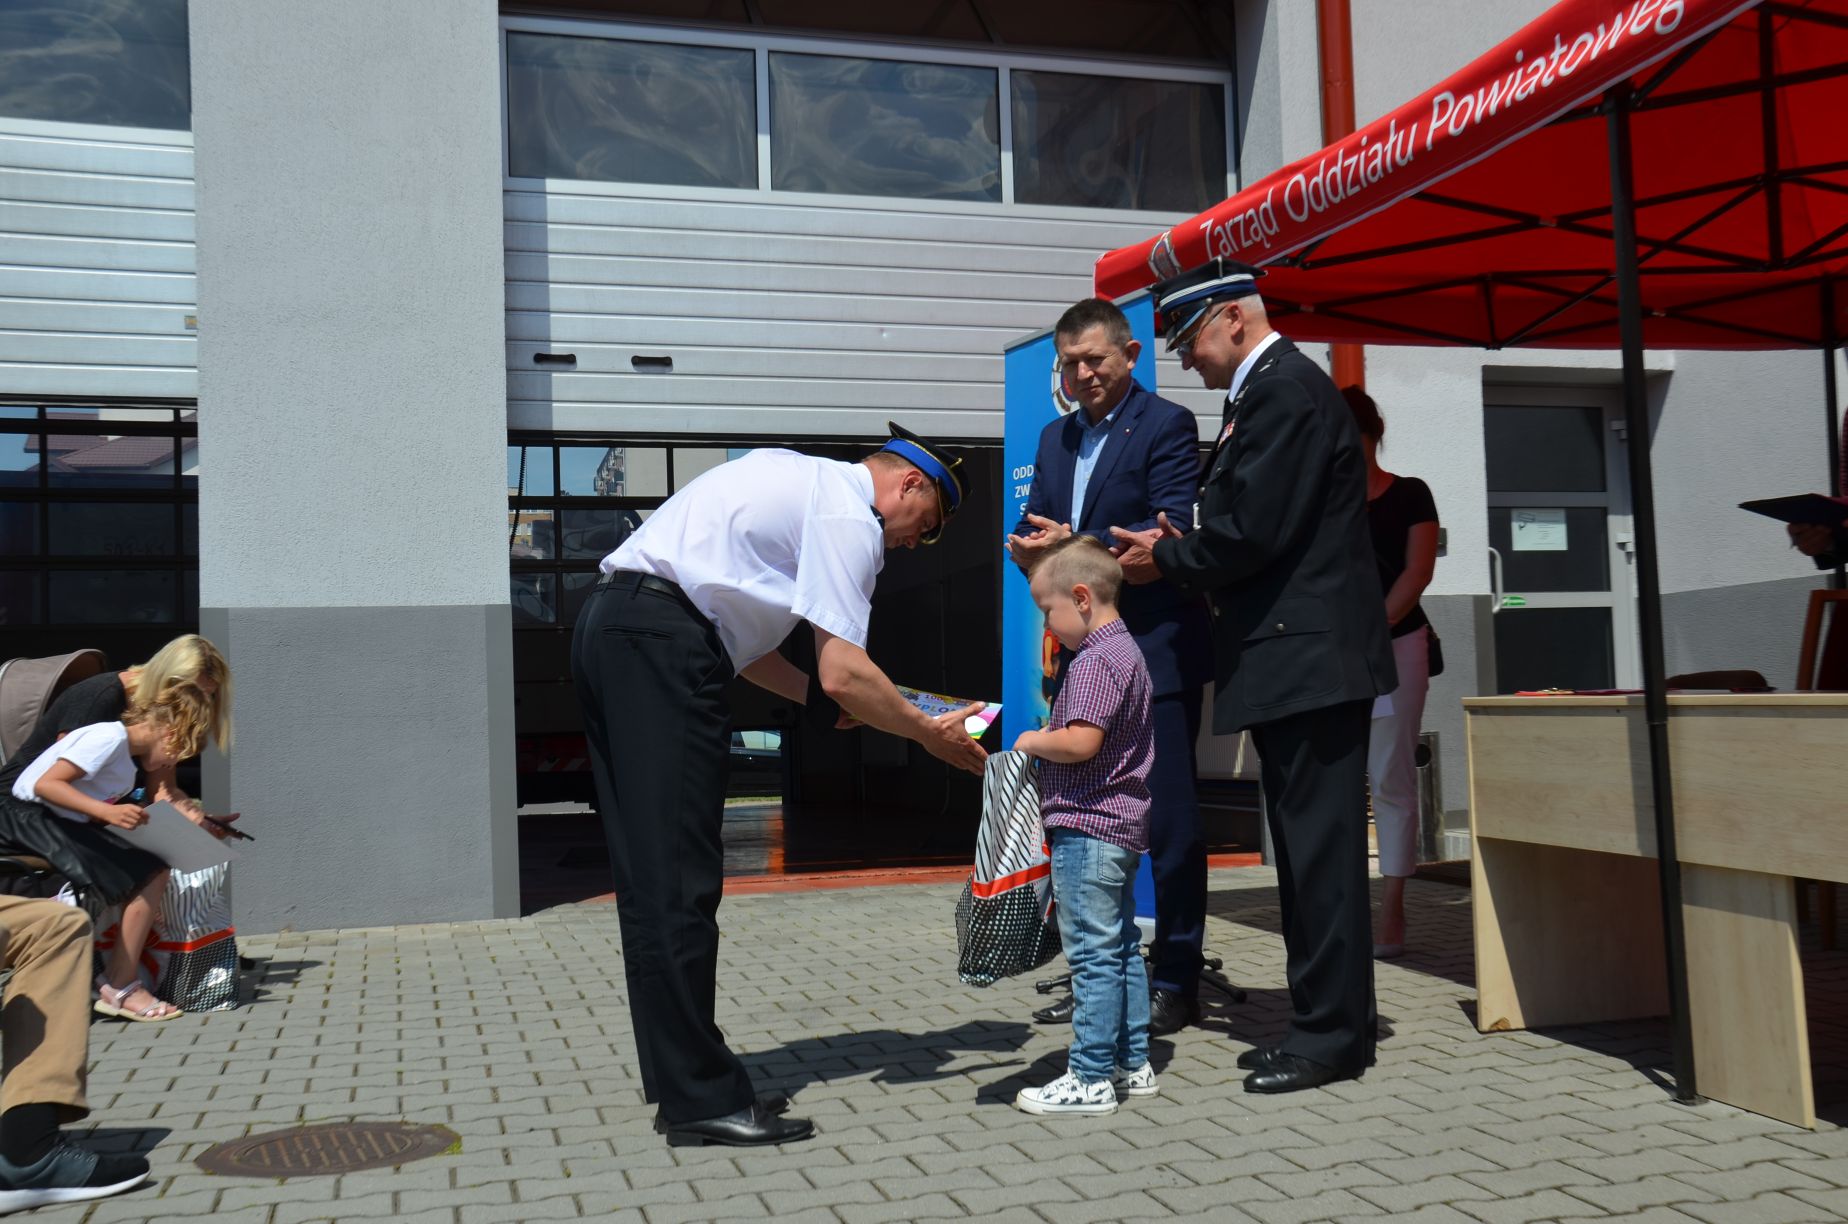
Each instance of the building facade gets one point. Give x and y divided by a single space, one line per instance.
353 335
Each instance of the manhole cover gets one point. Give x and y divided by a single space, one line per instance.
323 1151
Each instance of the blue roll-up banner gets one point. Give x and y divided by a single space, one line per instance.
1029 654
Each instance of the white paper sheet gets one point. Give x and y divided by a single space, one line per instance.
177 841
1539 530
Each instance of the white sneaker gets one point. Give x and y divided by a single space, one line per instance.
1137 1083
1068 1095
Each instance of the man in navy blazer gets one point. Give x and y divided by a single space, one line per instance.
1125 456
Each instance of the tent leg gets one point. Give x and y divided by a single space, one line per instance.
1649 593
1837 461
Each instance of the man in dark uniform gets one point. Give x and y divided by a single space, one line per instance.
707 588
1125 456
1283 555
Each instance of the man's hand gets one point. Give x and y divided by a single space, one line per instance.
1135 550
1025 549
1813 539
952 745
123 816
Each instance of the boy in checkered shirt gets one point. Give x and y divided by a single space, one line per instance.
1095 756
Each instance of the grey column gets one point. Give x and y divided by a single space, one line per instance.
352 433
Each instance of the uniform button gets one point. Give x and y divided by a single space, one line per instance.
1279 626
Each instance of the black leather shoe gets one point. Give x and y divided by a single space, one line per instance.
747 1128
1256 1058
1170 1013
1057 1013
1288 1073
771 1102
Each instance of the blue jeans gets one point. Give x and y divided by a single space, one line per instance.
1094 883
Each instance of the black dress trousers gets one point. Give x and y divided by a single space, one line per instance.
650 673
1314 767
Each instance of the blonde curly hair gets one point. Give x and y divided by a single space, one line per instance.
184 663
184 710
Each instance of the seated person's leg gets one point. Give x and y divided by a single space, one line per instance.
123 993
44 1057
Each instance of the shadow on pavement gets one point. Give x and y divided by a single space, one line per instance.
265 975
892 1056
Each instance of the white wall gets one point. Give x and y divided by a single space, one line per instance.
96 261
352 426
788 314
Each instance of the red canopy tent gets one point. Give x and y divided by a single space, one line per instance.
1619 173
1480 212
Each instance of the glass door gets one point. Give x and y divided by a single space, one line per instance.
1560 541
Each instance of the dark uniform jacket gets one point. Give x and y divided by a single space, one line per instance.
1149 464
1283 553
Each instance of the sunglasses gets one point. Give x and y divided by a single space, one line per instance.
935 533
1184 348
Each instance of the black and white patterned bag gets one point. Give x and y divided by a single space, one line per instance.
1002 917
195 947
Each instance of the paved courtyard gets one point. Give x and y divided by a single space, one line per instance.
514 1035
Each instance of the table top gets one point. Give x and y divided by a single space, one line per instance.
1675 701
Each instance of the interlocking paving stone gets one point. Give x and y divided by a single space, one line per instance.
516 1036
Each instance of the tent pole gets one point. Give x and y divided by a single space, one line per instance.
1838 462
1649 593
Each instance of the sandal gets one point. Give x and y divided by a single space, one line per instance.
109 1003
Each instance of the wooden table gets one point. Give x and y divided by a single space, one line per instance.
1566 895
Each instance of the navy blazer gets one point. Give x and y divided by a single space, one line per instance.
1284 552
1150 463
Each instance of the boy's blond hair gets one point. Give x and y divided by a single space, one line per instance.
182 663
183 711
1081 559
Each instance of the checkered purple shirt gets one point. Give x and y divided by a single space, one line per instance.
1107 797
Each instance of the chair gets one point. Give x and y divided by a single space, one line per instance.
1822 666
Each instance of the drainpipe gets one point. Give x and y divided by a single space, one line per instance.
1335 39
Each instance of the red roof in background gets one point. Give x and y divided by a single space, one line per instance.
1495 231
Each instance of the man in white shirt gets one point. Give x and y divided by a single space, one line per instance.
708 587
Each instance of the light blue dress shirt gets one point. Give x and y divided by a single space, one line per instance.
1090 445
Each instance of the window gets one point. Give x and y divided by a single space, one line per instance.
120 62
631 112
911 125
1113 142
99 520
604 491
884 128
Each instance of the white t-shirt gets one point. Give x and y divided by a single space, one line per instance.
764 541
100 750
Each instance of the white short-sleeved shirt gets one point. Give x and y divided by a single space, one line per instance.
764 541
100 750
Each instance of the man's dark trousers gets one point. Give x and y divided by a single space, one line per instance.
1177 853
651 676
1314 769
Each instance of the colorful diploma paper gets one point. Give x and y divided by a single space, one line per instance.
936 704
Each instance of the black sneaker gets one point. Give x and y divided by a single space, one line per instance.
67 1174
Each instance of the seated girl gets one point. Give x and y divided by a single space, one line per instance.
64 804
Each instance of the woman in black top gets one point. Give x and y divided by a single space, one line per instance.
1403 517
188 660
